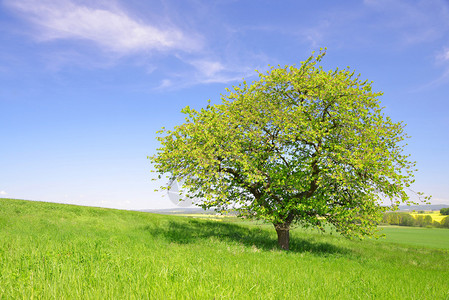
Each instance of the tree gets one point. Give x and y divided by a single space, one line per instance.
423 221
298 146
428 220
436 224
445 223
444 211
392 218
407 220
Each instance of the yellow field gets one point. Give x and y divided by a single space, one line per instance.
436 216
213 217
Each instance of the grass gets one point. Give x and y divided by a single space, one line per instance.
417 236
61 251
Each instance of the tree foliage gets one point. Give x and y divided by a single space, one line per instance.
444 211
445 222
399 218
299 145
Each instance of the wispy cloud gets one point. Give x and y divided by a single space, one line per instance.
208 70
116 31
399 23
3 193
165 83
443 56
412 21
208 67
442 61
214 71
108 27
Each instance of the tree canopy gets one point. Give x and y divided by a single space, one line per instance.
444 211
299 145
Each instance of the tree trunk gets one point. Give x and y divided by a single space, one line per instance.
283 235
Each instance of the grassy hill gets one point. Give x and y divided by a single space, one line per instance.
61 251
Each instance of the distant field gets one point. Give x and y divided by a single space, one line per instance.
56 251
417 236
207 216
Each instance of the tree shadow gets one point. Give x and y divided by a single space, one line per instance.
190 230
320 248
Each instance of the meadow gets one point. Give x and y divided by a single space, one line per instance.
50 250
417 236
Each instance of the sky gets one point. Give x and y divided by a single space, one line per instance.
85 85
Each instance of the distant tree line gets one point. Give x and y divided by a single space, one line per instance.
405 219
444 211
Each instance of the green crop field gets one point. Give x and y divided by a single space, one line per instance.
56 251
417 236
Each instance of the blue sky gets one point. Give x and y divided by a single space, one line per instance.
84 85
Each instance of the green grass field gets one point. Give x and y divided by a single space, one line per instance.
417 236
55 251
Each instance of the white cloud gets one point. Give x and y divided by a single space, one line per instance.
114 28
3 193
208 67
208 70
213 71
122 36
165 83
110 28
182 80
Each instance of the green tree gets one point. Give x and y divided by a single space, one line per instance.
299 145
428 220
444 211
407 220
436 224
445 223
419 221
392 218
387 218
